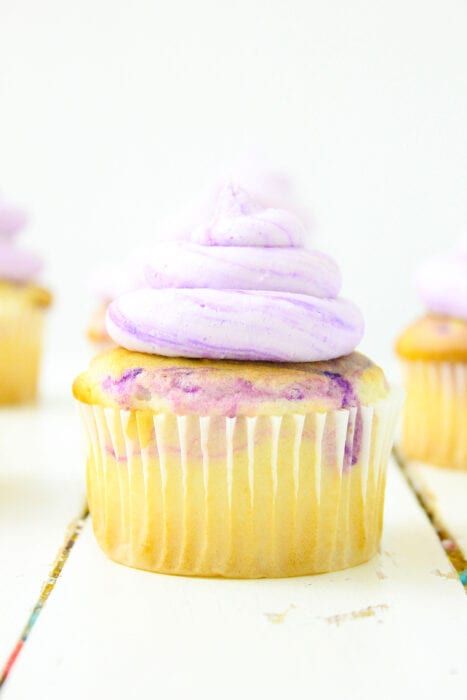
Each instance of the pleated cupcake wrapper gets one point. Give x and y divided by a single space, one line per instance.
239 497
435 413
21 329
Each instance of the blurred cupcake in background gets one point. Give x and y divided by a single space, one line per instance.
433 351
22 307
108 282
235 432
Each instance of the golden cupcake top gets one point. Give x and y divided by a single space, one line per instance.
434 337
131 380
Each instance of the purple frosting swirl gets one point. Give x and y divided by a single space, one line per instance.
240 221
244 288
192 266
16 265
442 282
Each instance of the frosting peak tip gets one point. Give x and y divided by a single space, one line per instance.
240 221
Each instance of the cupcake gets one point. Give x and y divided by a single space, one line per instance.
22 306
109 282
234 431
433 351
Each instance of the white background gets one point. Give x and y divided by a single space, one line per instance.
113 115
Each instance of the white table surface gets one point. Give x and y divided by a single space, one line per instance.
444 491
392 628
41 491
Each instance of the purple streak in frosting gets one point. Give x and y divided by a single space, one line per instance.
225 324
16 264
240 221
192 266
442 282
245 289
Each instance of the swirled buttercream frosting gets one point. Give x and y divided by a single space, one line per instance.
244 288
268 186
442 282
16 264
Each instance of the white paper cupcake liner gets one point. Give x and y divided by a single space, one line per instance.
21 329
435 413
239 497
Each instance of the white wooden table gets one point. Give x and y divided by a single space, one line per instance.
393 628
40 493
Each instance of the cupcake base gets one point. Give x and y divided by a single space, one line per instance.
244 497
21 328
435 413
